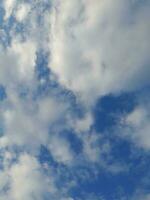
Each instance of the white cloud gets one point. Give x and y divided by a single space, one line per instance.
22 12
51 110
137 125
60 150
99 47
91 147
26 180
18 59
137 117
8 6
82 124
26 122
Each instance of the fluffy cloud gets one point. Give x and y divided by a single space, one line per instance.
9 6
19 59
24 179
27 119
60 150
27 122
22 12
137 125
100 47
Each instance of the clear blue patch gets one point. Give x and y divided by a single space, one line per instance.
109 108
75 143
2 93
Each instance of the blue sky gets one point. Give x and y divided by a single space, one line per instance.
74 100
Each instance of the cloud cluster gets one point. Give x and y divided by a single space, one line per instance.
100 47
94 48
24 179
28 120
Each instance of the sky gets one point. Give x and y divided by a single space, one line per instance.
74 100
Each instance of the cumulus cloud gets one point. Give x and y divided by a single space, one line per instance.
22 12
26 116
28 121
9 6
60 150
137 125
100 47
24 179
18 59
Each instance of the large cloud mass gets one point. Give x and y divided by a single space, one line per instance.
58 58
100 47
